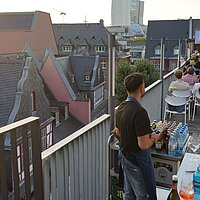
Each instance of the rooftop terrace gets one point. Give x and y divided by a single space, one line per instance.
77 167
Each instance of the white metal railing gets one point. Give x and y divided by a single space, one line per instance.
76 167
9 163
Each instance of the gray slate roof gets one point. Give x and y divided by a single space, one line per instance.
17 20
82 66
10 74
89 33
171 30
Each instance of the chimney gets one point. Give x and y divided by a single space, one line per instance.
101 22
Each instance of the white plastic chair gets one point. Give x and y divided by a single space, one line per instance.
185 94
176 101
182 94
196 95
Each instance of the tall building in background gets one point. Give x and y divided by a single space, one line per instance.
126 12
120 13
136 11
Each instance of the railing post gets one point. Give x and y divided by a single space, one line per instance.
111 79
14 164
179 53
37 161
162 61
3 170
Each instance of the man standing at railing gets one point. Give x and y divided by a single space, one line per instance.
133 124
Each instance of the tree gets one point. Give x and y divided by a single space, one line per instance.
147 68
124 68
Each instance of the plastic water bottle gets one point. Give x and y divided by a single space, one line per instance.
172 145
196 183
180 142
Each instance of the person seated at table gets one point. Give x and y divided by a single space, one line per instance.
179 85
195 89
191 78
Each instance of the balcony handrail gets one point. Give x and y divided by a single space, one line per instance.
17 124
73 136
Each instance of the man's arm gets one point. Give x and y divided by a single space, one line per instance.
145 142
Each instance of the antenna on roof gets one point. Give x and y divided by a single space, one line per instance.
61 13
85 19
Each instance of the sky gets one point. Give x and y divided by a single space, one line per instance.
94 10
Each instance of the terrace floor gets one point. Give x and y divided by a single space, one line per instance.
194 126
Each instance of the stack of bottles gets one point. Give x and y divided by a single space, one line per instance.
172 137
177 140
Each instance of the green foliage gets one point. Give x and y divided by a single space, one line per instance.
124 68
137 40
147 68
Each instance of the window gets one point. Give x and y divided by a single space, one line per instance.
73 78
98 96
157 50
67 48
176 50
100 49
157 64
57 116
103 64
46 136
20 162
87 78
172 66
33 101
66 112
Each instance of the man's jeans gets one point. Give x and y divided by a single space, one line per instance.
134 184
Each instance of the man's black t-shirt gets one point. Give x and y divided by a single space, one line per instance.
133 121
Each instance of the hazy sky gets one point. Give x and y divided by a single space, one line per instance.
76 10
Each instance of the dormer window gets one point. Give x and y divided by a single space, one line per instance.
77 38
176 50
61 38
157 50
82 47
73 78
87 78
67 48
100 48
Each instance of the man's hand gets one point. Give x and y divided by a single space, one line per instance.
116 133
155 136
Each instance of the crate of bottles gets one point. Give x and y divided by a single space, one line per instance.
116 189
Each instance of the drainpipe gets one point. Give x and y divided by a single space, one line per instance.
111 80
162 60
179 53
191 35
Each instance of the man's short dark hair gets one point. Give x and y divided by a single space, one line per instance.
133 81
